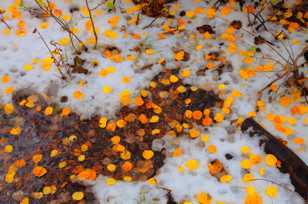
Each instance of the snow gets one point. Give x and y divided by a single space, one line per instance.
129 192
185 185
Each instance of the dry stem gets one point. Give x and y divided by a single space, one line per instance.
2 19
61 22
57 63
92 23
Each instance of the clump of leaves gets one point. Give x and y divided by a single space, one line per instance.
290 16
241 3
154 8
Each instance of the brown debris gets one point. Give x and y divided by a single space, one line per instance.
77 67
236 24
297 14
216 169
206 28
154 8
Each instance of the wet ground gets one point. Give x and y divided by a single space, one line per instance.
49 154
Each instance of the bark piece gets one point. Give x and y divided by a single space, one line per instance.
290 162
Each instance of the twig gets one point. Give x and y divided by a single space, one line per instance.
291 63
92 23
217 4
51 53
61 61
269 44
44 41
272 59
5 23
277 52
2 19
71 40
270 181
61 22
138 19
261 21
97 6
301 53
150 24
293 69
260 18
272 82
